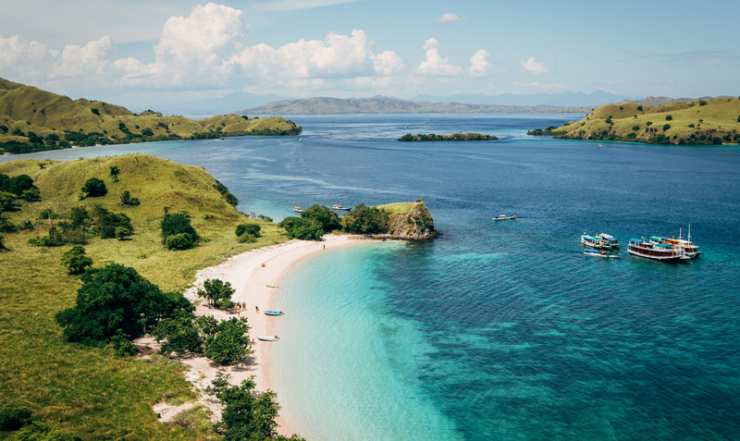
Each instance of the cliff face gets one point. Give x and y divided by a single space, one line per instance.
409 221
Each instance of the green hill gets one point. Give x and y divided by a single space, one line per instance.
702 122
83 390
32 119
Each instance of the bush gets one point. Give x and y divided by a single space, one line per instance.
2 246
116 299
639 108
95 111
635 128
94 187
252 229
669 118
299 228
717 140
178 225
649 123
76 260
666 127
180 241
31 195
106 223
217 293
126 199
18 184
230 343
691 125
147 132
328 219
14 416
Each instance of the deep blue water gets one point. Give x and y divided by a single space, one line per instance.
501 330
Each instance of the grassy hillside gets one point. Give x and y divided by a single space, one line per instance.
88 391
702 122
32 119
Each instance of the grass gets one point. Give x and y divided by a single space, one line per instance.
397 207
28 108
715 118
79 389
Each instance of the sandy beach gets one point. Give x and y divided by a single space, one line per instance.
249 274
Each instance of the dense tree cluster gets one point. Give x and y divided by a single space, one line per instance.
366 220
230 198
177 233
312 224
116 300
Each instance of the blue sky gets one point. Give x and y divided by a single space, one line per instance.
168 51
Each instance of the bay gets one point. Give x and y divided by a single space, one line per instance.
496 330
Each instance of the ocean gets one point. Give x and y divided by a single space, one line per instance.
496 330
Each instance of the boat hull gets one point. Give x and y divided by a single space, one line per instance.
268 338
274 313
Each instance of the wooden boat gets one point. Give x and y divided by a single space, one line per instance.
298 209
274 313
601 253
600 241
268 338
661 252
272 285
503 217
691 250
340 208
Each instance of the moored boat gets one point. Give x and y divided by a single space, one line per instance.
601 253
503 217
298 209
600 241
268 338
340 208
274 313
272 285
691 250
608 240
660 251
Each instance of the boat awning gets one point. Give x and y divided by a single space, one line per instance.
606 236
664 245
635 240
656 238
589 237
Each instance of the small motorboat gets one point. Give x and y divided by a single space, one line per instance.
268 338
298 209
503 217
274 313
272 285
340 208
601 253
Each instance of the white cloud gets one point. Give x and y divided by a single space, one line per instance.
435 65
479 65
532 66
387 63
448 17
291 5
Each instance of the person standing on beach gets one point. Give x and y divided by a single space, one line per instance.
255 307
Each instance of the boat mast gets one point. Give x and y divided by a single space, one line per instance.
689 232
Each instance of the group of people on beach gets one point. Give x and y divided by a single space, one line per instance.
243 307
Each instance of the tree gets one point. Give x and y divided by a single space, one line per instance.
31 195
116 298
299 228
252 229
177 233
20 183
123 232
247 414
7 201
2 246
79 217
328 219
14 415
217 293
94 187
669 118
666 127
95 111
76 260
366 220
126 199
147 132
106 223
181 334
230 343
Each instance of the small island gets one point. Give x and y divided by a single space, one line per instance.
448 137
700 122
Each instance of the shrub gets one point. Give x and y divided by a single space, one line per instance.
669 118
252 229
702 103
18 184
31 195
126 199
95 111
691 125
180 241
76 260
147 132
328 219
639 108
14 416
666 127
178 225
2 246
649 123
217 293
106 223
717 140
229 343
635 128
299 228
94 187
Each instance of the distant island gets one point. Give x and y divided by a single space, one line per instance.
317 106
33 120
701 122
449 137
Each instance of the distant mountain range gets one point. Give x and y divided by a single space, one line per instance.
324 105
564 99
216 106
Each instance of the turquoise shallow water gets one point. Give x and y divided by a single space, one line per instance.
497 330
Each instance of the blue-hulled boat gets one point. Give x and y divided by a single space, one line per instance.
274 313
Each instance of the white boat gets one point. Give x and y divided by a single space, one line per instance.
503 217
661 252
600 241
691 250
272 285
340 208
268 338
298 209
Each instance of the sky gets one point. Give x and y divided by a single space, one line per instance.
143 52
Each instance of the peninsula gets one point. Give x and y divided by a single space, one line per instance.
111 215
449 137
34 120
700 122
